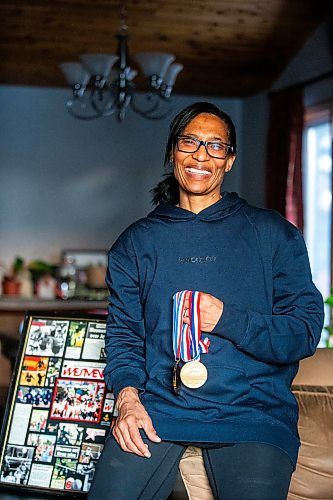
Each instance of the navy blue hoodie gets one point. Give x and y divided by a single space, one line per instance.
256 263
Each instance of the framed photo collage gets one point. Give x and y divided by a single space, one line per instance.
59 410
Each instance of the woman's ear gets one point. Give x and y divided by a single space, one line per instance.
230 163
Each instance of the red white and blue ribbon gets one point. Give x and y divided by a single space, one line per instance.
187 343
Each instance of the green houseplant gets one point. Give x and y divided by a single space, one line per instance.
11 284
329 327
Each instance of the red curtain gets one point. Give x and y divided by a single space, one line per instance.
284 155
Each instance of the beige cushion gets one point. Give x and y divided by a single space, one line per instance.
313 478
193 473
313 388
316 370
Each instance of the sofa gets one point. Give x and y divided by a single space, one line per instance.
313 388
313 478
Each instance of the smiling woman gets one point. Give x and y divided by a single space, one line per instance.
204 354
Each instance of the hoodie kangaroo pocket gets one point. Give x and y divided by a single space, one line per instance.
225 385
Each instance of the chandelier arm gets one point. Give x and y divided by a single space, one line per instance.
107 111
154 97
70 110
110 112
144 112
148 113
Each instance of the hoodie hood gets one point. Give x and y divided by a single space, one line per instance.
227 205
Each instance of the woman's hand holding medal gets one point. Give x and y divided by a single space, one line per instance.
210 309
132 416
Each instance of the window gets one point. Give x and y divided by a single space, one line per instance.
317 189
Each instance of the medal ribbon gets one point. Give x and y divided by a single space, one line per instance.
187 343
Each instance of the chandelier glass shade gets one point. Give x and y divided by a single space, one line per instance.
103 84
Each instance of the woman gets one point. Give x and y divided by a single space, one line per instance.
205 262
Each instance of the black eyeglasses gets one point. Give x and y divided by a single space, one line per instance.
215 149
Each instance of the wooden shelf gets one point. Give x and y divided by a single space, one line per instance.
13 309
20 304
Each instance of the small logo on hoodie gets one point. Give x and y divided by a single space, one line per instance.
197 260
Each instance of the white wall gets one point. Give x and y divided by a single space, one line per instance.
66 183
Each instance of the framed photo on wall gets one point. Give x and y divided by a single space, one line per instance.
59 410
86 258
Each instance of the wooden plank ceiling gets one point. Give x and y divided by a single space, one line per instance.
227 47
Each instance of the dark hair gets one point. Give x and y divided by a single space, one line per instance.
167 189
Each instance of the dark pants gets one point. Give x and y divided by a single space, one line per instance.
248 471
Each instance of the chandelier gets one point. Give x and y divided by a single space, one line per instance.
103 84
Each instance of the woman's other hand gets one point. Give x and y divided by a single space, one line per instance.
211 310
132 416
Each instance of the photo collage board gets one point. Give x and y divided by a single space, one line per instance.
59 410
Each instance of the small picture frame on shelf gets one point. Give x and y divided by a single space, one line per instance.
88 269
86 258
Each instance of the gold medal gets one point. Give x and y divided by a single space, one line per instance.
193 374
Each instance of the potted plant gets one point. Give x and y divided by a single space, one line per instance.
43 277
11 283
